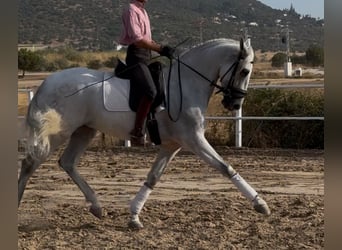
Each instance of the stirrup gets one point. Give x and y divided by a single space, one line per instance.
137 138
138 141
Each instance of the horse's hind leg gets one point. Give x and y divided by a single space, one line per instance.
32 161
200 146
28 166
78 143
165 155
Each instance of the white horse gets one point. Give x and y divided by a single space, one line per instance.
69 106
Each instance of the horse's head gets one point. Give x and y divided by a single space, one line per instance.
235 78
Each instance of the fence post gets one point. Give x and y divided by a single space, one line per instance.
238 128
22 133
127 143
30 95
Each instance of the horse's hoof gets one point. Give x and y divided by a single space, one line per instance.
135 223
261 206
96 211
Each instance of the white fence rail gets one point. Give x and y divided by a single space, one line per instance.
238 114
22 133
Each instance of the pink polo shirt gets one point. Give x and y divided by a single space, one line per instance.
136 24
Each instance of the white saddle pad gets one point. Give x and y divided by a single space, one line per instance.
116 94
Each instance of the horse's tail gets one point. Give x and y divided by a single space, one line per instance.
41 125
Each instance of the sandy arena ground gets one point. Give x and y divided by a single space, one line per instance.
192 207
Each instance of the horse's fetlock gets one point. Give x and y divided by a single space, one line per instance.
150 185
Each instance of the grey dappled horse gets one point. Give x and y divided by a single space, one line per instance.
67 107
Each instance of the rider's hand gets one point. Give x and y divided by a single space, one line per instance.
167 51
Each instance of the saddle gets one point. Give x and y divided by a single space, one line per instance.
135 94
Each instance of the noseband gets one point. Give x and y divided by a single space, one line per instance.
230 91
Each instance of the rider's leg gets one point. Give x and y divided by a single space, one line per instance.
142 76
143 109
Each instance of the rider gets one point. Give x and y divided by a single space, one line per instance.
136 33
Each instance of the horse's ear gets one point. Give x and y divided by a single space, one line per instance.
241 44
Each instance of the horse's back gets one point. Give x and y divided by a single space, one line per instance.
66 83
71 79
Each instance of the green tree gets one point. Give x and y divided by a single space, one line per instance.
315 55
70 54
28 60
111 62
94 64
297 59
278 59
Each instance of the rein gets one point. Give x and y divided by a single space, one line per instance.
213 82
229 90
180 91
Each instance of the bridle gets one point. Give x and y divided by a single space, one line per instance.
229 91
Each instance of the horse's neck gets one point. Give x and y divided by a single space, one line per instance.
207 63
195 89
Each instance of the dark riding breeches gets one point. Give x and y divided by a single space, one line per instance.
137 60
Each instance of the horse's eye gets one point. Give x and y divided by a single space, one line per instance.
244 72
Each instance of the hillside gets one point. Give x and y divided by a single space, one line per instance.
96 24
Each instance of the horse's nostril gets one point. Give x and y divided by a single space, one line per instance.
236 106
245 72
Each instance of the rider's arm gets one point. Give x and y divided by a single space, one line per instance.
146 44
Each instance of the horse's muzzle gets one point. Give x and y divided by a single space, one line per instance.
230 104
233 98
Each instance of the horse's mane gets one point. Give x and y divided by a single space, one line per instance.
210 43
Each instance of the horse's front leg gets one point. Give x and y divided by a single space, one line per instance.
200 146
165 155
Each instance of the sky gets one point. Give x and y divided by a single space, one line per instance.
314 8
